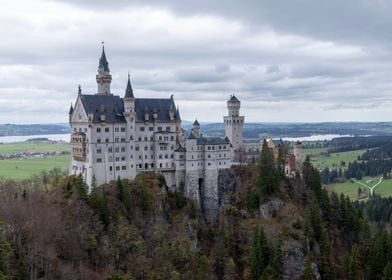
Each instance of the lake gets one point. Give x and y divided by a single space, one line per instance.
315 137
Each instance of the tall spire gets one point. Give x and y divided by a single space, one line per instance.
79 90
129 90
103 63
71 109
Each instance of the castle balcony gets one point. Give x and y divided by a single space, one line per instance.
78 146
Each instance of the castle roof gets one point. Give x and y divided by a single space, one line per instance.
191 136
180 149
109 105
129 90
103 63
212 141
233 99
71 109
160 106
196 123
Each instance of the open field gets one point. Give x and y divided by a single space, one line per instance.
24 168
42 147
334 159
350 188
314 151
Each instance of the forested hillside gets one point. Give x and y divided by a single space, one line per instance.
270 228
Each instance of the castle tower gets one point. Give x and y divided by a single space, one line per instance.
298 155
103 77
196 129
129 99
234 123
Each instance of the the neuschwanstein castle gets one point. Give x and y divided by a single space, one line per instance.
115 136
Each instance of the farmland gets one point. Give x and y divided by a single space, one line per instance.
32 158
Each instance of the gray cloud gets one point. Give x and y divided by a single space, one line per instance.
283 59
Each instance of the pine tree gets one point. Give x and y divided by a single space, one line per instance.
387 273
260 254
277 262
308 271
268 181
354 265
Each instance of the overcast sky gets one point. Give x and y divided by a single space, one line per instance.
297 60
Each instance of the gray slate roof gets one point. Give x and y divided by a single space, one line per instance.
160 106
196 123
103 62
129 90
110 105
180 149
212 141
233 98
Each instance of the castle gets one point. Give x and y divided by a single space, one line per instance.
113 136
121 137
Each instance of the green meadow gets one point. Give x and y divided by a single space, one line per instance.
334 159
24 168
32 147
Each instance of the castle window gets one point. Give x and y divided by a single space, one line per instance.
209 148
142 128
123 140
152 156
151 138
123 167
172 156
131 137
116 139
140 165
209 164
122 158
99 160
152 148
122 149
136 148
110 168
159 128
117 159
151 128
167 128
116 129
75 129
106 129
107 140
98 129
145 148
98 140
123 129
209 156
160 156
110 150
172 138
166 156
99 151
117 149
139 138
160 165
117 168
145 138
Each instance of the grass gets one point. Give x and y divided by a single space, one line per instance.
314 151
24 168
350 188
334 159
32 147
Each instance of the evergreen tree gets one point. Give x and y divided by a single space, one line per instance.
277 262
387 273
268 181
308 271
260 254
354 265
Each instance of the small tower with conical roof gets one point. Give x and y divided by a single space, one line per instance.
234 123
129 99
103 77
196 129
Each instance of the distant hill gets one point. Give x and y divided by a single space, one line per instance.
32 129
